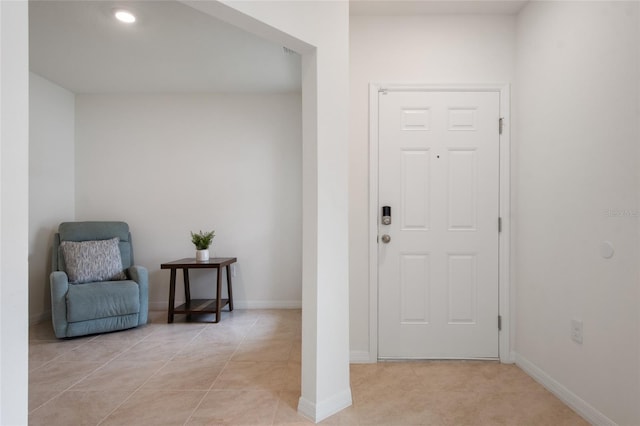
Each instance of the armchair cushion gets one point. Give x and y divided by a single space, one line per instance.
89 261
102 300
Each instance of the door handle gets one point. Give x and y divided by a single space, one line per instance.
386 239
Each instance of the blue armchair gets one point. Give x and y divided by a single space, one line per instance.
80 305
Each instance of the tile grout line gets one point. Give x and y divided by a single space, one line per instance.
44 365
149 378
275 413
60 355
244 337
218 376
76 382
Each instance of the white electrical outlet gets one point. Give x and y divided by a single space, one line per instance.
576 331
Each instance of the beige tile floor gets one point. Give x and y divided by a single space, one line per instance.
245 370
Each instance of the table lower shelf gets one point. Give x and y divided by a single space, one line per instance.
200 306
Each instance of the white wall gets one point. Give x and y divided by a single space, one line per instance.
14 211
577 156
426 49
51 182
171 164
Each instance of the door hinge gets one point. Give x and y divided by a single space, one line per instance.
499 322
499 224
500 125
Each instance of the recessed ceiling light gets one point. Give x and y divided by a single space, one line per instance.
124 16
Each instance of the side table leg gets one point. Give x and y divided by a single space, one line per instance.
229 287
187 290
219 295
172 295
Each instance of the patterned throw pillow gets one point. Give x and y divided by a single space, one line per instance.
89 261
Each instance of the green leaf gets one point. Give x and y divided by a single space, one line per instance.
202 240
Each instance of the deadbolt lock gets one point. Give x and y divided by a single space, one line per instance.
386 215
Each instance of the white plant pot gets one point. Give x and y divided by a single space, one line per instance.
202 255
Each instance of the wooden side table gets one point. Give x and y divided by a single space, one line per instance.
199 306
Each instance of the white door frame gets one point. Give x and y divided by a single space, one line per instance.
504 287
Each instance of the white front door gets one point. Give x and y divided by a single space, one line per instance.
438 273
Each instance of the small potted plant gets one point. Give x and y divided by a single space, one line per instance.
202 241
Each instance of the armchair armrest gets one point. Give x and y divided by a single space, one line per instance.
59 283
140 274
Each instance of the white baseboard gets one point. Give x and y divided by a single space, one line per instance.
158 306
40 318
360 357
242 304
267 304
579 405
317 412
